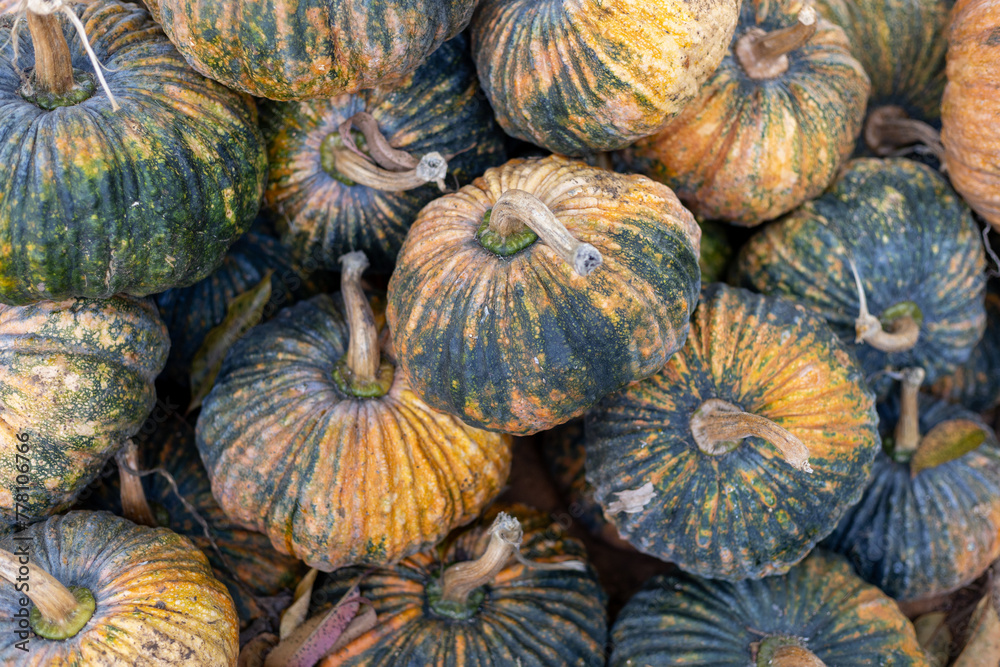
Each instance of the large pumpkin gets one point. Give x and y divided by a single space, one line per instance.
76 380
502 312
745 450
578 77
310 49
898 229
93 201
975 384
104 591
528 611
312 437
820 613
772 125
330 202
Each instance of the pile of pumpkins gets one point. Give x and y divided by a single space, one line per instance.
365 249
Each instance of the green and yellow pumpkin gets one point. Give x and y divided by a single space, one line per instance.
94 201
819 613
976 383
772 125
524 298
745 450
580 77
329 200
76 381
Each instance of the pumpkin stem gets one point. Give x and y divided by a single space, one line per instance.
907 433
780 651
459 580
384 155
517 209
135 507
905 329
764 55
718 426
53 65
361 372
888 130
59 612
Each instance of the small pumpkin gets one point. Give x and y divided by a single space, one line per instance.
890 257
331 201
745 450
975 384
772 125
93 201
76 381
311 436
524 298
819 613
470 603
582 77
103 591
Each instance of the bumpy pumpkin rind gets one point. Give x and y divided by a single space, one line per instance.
332 479
976 383
922 536
76 378
95 202
746 512
157 601
684 620
578 77
911 239
542 617
748 150
439 107
519 344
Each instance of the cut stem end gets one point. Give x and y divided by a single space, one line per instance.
59 612
764 55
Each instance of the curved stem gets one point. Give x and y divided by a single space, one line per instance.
888 129
763 55
517 208
60 609
716 424
907 433
868 328
53 65
135 507
363 355
431 167
462 578
384 155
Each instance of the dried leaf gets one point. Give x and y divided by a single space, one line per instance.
983 646
324 633
297 611
934 637
946 442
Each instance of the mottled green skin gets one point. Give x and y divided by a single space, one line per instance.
95 202
902 45
530 617
975 384
744 513
716 251
911 238
77 377
922 536
684 620
439 107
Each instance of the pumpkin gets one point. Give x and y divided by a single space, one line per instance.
928 522
310 49
587 76
820 613
94 201
469 603
103 591
502 311
312 437
716 251
976 383
890 257
772 125
76 380
331 201
970 111
745 450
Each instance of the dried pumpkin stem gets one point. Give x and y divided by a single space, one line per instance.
61 612
135 507
764 55
516 209
53 65
889 129
907 433
459 580
717 424
384 155
359 169
868 329
794 656
363 353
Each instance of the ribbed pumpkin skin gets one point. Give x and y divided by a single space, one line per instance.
976 383
95 202
922 536
748 150
684 620
911 238
745 513
579 76
157 601
970 110
77 377
310 49
334 480
439 107
535 616
522 343
901 45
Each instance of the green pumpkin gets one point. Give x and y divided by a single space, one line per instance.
975 384
749 502
95 202
76 381
820 606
